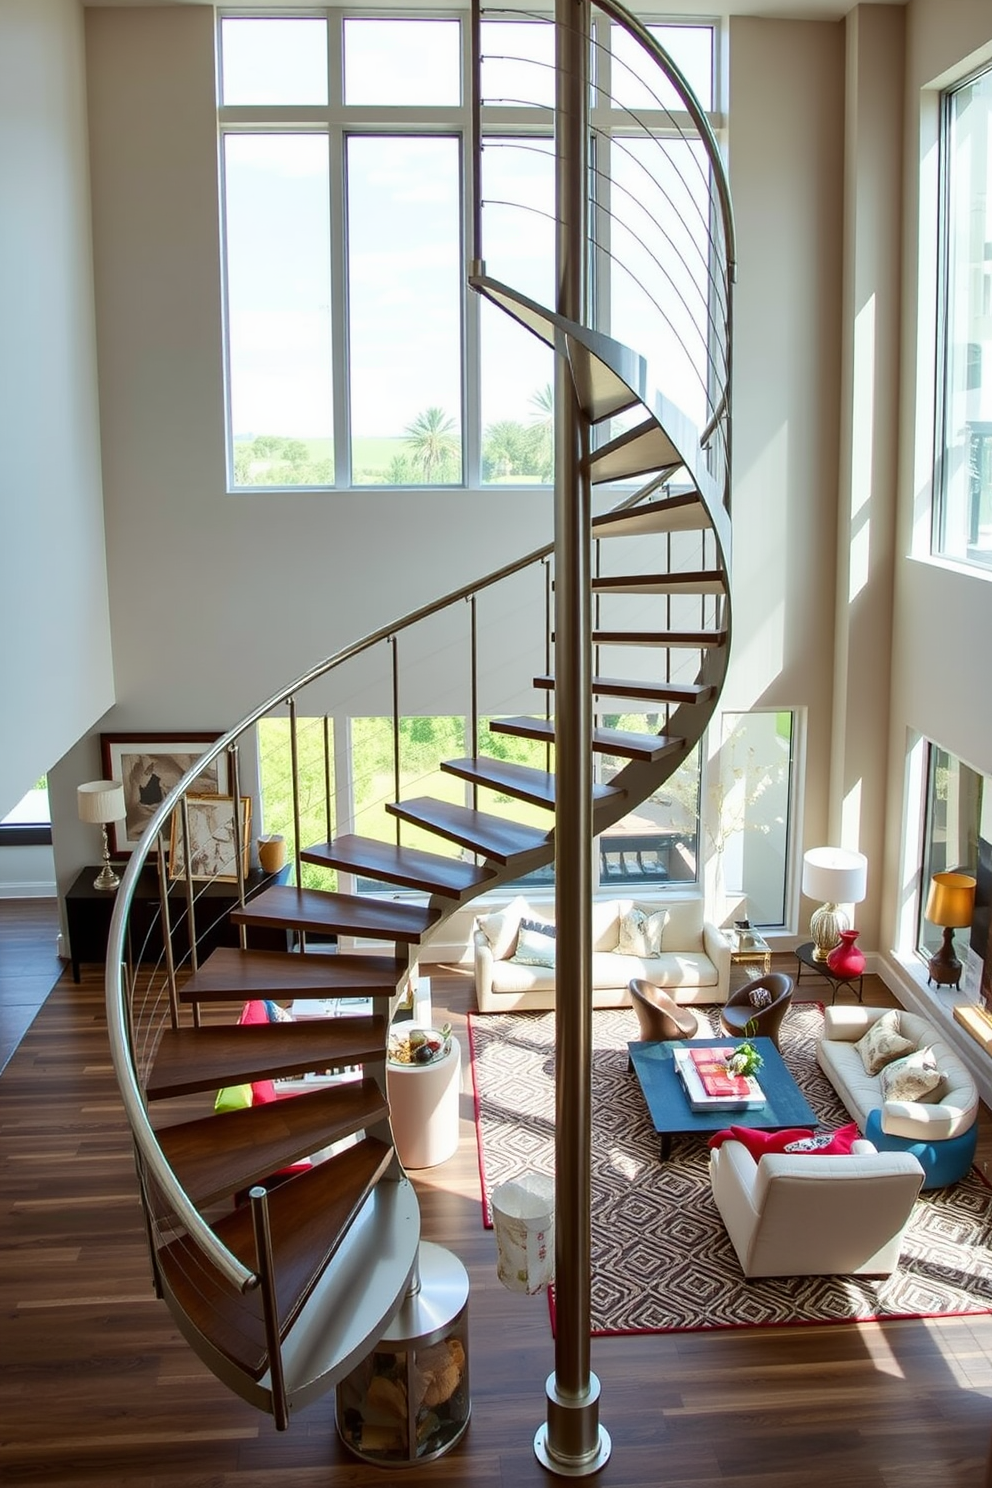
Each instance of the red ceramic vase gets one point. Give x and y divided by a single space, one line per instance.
847 959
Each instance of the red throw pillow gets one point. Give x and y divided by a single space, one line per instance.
760 1142
253 1012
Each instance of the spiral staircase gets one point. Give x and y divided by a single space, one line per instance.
282 1287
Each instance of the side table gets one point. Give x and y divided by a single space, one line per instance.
88 911
423 1108
751 952
804 956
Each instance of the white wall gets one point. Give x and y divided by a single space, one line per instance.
786 173
942 616
55 654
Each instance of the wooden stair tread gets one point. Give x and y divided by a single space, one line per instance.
682 513
217 1156
645 447
409 867
523 781
190 1059
646 747
699 581
493 836
693 639
309 1216
231 975
662 692
341 914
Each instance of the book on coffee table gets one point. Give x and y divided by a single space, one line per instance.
727 1092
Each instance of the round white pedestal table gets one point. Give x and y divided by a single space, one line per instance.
423 1108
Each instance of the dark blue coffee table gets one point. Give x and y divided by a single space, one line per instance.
785 1105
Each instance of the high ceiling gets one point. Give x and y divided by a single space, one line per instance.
814 10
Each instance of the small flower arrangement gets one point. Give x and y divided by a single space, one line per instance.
745 1059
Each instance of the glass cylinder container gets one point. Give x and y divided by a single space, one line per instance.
408 1401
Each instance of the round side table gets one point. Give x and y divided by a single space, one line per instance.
804 955
423 1108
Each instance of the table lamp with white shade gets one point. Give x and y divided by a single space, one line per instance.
836 876
100 802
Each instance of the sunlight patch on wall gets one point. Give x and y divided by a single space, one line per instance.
850 816
862 448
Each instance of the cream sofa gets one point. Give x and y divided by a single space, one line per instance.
802 1214
694 964
951 1110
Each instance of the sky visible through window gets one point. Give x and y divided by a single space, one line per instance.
397 212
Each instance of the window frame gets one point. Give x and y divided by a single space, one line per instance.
940 546
340 121
26 834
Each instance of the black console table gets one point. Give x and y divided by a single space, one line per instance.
88 911
804 955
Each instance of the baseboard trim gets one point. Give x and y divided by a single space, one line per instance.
46 890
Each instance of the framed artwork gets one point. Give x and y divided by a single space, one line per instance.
148 766
211 839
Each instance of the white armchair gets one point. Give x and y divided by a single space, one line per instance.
798 1214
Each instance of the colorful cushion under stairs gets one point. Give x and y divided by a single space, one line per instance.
259 1092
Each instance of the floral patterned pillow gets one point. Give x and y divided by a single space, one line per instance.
640 933
882 1043
912 1078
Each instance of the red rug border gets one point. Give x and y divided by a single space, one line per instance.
872 1321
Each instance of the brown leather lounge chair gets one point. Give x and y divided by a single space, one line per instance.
659 1015
740 1018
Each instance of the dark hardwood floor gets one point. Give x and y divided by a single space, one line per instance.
98 1387
29 965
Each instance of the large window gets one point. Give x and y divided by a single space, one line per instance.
749 812
957 838
355 353
963 510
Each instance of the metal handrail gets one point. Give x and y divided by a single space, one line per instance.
150 1153
676 77
131 1093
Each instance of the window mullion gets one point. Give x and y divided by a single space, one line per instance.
471 341
339 348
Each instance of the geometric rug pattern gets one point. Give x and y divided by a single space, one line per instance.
661 1259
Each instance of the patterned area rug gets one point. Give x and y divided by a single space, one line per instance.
654 1220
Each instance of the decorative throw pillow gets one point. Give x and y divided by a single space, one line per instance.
759 997
760 1142
277 1014
534 949
539 926
828 1144
640 933
882 1043
911 1078
233 1098
500 928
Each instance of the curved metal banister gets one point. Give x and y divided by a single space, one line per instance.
673 72
117 1022
156 1174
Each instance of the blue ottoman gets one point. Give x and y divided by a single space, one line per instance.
943 1161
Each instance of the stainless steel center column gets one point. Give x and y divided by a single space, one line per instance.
572 1443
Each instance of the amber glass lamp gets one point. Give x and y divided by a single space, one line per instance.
951 904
